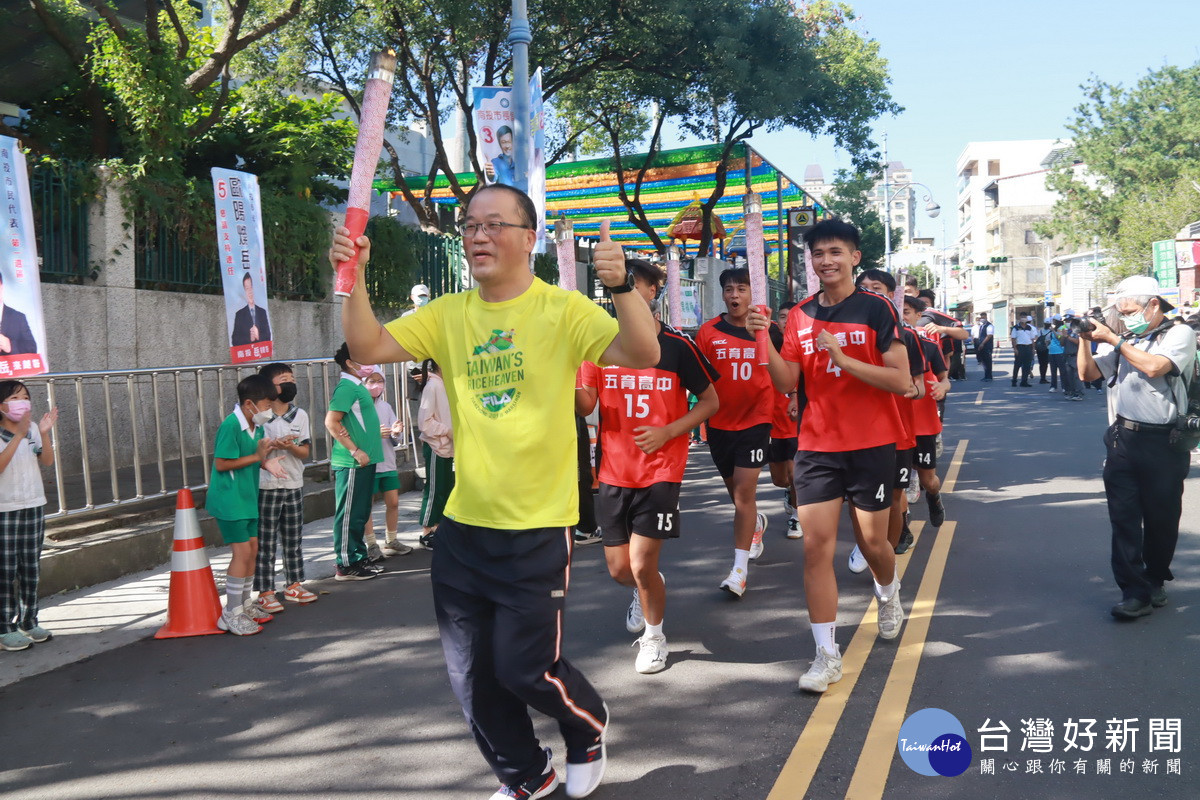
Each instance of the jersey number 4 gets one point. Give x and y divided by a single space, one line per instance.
837 371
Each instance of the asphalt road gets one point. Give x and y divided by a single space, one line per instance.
1008 621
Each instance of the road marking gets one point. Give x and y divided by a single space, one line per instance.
955 467
802 763
879 749
979 399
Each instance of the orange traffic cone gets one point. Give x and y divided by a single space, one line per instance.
193 605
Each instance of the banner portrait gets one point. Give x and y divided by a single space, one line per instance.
22 325
243 264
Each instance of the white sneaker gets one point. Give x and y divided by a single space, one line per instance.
735 584
395 548
793 529
891 615
760 527
857 562
826 669
634 621
237 623
913 491
652 657
585 767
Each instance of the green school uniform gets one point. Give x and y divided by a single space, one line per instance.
360 420
233 494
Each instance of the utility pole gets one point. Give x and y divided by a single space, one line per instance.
519 38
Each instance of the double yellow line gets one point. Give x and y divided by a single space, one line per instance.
875 759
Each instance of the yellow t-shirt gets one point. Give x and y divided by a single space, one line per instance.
509 370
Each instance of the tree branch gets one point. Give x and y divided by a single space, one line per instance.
230 44
106 13
185 44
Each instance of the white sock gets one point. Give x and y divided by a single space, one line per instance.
233 592
369 538
392 536
247 591
654 630
884 593
823 635
741 560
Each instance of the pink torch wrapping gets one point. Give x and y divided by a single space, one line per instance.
674 288
752 218
814 283
564 245
898 295
376 98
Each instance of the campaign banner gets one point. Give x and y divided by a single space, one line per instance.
243 264
691 313
22 325
492 116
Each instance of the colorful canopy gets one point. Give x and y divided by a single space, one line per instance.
585 192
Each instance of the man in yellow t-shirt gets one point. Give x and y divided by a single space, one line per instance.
508 352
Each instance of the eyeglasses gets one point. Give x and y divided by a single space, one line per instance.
491 229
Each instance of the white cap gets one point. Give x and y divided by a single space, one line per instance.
1141 286
420 290
1070 312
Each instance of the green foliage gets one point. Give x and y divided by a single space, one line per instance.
1140 150
395 265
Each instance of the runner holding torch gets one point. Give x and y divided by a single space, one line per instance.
376 98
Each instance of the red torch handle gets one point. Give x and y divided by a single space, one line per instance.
347 271
763 339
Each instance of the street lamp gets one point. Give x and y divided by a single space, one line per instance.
931 206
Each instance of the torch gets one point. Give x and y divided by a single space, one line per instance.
674 288
376 98
752 218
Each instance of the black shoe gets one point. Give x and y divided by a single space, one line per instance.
906 541
426 540
1158 596
537 786
1014 384
1043 380
354 572
1026 384
937 511
1131 608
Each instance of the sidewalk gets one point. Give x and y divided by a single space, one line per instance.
100 618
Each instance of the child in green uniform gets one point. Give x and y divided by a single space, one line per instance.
357 448
240 450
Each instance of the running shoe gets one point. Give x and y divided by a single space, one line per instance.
353 572
256 611
585 765
634 621
583 539
937 511
857 562
269 603
237 623
652 657
37 634
760 527
395 548
735 584
793 529
891 614
906 541
537 786
426 540
913 491
826 669
298 594
14 641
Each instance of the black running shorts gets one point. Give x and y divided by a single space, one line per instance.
652 512
904 467
866 477
926 452
780 450
744 448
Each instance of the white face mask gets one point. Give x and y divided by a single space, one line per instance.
263 417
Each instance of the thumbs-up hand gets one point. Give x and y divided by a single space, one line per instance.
609 259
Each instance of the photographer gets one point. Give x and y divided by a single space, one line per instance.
1068 339
1145 466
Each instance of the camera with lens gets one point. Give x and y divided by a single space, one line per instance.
1087 323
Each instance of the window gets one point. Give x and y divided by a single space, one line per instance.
1031 237
1035 275
993 168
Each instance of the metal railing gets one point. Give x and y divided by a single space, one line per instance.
147 433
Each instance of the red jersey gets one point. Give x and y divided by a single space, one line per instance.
632 398
907 408
927 419
782 424
745 388
842 413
